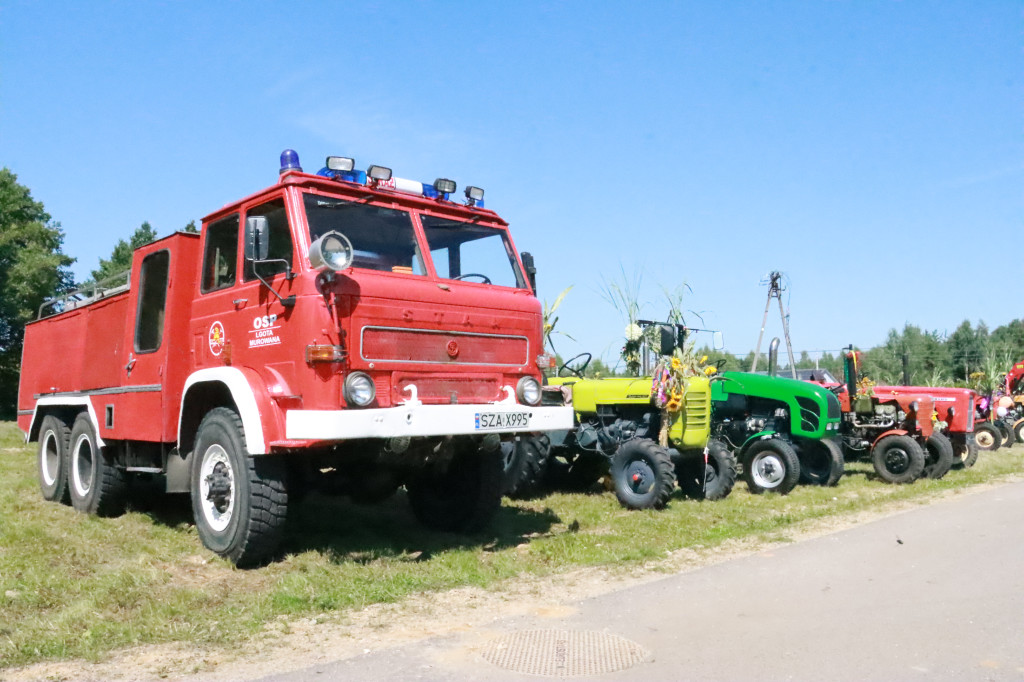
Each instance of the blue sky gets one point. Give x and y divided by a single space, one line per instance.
871 151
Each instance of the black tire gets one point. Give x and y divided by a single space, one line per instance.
461 497
525 460
938 456
96 485
643 474
987 436
52 460
771 466
711 481
1018 431
965 451
240 502
1006 432
898 459
821 462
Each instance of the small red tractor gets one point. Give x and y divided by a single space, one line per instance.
895 431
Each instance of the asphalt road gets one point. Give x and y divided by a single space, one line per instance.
935 593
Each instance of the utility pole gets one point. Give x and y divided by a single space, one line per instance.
775 290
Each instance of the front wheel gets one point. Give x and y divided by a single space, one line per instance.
240 502
643 474
987 436
462 496
821 462
898 459
710 475
524 460
1018 430
771 466
97 486
938 456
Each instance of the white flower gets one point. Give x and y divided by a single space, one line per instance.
633 332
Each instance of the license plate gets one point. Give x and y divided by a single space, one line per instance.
502 420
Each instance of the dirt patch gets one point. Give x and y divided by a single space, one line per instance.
287 645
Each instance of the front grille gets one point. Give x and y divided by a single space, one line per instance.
695 402
810 417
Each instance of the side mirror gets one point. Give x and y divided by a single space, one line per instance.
531 269
666 339
717 341
257 238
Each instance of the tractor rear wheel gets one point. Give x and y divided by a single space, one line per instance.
987 436
1006 432
711 481
965 452
938 456
643 474
1018 430
771 466
821 462
898 459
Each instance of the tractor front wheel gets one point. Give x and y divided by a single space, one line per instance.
643 474
713 480
898 459
987 436
965 451
771 466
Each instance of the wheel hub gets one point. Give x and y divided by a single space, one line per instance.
897 460
219 485
768 472
640 477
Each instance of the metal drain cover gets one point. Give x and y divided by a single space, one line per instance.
563 653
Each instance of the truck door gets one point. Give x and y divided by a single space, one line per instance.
139 408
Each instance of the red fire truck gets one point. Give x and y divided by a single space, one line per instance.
347 330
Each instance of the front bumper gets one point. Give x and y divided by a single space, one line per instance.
414 420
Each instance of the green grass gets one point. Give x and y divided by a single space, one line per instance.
74 586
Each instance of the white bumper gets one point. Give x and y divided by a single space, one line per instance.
424 420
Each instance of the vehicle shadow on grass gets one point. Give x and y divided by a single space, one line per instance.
350 532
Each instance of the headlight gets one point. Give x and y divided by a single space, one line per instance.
359 389
528 391
332 251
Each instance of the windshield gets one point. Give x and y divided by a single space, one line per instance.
473 253
382 238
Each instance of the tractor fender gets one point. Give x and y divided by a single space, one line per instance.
760 435
890 432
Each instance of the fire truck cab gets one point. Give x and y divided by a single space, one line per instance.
346 331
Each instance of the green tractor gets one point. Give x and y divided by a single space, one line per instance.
783 431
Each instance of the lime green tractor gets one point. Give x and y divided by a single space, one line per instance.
645 447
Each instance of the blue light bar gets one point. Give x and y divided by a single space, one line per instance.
356 176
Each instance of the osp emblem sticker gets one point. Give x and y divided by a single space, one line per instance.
217 338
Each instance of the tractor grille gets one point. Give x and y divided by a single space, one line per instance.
696 405
810 418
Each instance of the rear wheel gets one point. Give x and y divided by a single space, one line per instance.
771 466
987 436
938 456
711 481
462 496
97 486
965 451
1006 432
240 502
53 460
898 459
821 462
643 474
1018 430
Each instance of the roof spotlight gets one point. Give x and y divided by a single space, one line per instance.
340 163
474 193
379 173
444 186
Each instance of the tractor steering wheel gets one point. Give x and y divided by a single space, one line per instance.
578 371
485 278
719 364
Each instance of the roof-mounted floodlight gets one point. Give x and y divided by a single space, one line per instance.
474 196
444 186
290 161
379 173
332 251
340 163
